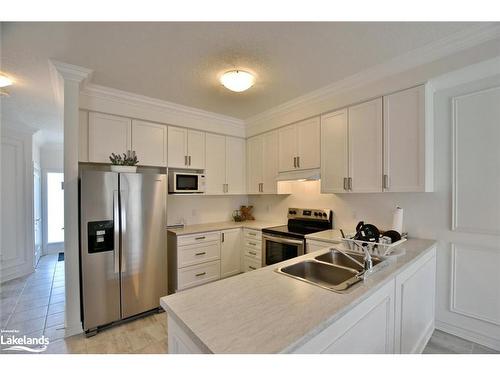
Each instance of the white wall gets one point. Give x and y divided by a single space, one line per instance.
426 215
202 209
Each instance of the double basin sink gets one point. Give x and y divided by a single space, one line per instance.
332 270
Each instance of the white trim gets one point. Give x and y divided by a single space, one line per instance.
453 291
464 333
431 52
60 71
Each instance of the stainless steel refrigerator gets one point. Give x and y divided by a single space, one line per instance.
123 245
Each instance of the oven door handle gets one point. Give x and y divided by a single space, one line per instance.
283 240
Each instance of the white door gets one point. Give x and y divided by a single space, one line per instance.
196 149
177 147
37 213
215 163
149 141
230 252
404 140
235 165
287 147
308 143
270 162
365 147
254 164
334 152
108 134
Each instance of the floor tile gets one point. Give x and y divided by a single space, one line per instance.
57 298
55 319
56 308
31 303
55 333
480 349
159 347
37 312
28 326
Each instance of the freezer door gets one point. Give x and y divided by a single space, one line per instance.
99 248
144 245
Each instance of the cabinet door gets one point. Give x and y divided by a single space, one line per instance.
308 143
215 163
235 165
196 149
149 141
230 252
254 164
365 147
287 148
334 152
404 140
108 134
270 162
177 147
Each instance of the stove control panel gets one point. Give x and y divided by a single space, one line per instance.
309 213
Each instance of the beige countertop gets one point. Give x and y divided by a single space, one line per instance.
210 227
266 312
330 235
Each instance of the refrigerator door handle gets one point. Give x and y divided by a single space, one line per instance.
116 229
123 221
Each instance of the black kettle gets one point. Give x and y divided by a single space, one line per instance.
367 232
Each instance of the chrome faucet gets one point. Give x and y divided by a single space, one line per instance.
367 262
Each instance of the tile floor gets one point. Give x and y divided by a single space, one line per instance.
34 305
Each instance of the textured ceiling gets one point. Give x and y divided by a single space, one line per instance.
180 62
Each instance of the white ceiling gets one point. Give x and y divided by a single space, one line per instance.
180 62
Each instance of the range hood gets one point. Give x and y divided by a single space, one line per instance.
305 175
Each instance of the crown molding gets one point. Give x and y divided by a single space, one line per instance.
60 71
426 54
125 97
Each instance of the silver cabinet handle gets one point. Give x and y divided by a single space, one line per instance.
200 238
295 162
252 243
252 267
222 236
345 184
350 183
386 181
200 274
185 160
203 253
189 160
252 234
227 188
298 161
252 252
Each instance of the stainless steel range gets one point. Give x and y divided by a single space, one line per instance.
288 241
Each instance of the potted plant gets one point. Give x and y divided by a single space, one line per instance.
125 163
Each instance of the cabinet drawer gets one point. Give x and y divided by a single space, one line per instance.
198 238
252 253
252 234
197 275
199 253
252 244
250 264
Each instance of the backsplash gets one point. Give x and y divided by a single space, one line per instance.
193 209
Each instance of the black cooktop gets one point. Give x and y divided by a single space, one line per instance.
295 230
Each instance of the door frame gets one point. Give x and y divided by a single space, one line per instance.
55 247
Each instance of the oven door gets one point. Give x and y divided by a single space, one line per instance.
276 249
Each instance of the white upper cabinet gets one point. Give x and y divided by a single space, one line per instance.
215 163
225 165
254 164
149 141
405 142
334 152
299 145
186 148
269 162
235 165
107 134
230 252
365 147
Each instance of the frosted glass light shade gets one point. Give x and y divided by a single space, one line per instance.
237 80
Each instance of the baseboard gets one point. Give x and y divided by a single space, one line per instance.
419 348
478 338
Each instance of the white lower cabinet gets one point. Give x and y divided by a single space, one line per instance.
251 257
230 252
314 245
199 274
250 264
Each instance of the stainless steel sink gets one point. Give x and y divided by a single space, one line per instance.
339 259
325 275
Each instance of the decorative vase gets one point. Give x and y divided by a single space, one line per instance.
124 168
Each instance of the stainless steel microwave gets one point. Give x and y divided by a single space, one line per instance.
186 182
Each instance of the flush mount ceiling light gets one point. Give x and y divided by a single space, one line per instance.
237 80
5 81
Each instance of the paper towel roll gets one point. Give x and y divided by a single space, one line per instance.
397 220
